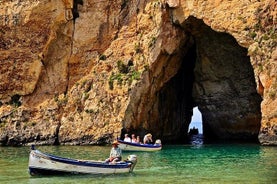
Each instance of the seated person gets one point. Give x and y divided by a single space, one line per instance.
115 154
138 140
127 138
133 137
147 139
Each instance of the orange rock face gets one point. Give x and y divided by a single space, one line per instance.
85 72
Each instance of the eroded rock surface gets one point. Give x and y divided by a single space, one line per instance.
85 72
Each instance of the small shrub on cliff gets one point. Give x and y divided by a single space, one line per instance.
137 48
257 26
89 111
126 74
61 101
116 77
252 35
272 92
152 42
85 96
3 123
111 83
260 68
273 34
146 67
135 75
122 67
102 57
119 78
113 77
265 37
15 101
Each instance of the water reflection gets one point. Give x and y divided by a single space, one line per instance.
197 139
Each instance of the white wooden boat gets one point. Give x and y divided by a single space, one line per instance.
130 146
46 164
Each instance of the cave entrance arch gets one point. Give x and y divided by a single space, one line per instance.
223 84
196 121
195 132
214 73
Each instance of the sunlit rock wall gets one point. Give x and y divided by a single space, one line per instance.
78 72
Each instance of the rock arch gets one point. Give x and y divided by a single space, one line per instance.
209 70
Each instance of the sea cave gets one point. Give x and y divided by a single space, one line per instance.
212 72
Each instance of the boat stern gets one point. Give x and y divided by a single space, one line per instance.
133 160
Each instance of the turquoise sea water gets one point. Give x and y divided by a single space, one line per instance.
215 163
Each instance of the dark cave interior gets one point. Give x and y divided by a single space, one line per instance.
216 75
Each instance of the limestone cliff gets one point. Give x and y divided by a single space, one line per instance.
85 72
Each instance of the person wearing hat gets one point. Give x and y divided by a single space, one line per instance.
147 139
115 154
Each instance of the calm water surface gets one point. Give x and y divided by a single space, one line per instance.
217 163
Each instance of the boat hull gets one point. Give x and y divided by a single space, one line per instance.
128 146
45 164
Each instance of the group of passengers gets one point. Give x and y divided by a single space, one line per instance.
146 140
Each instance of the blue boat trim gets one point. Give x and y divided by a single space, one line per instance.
84 163
42 171
140 145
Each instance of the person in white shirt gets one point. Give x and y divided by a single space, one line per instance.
127 138
134 140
